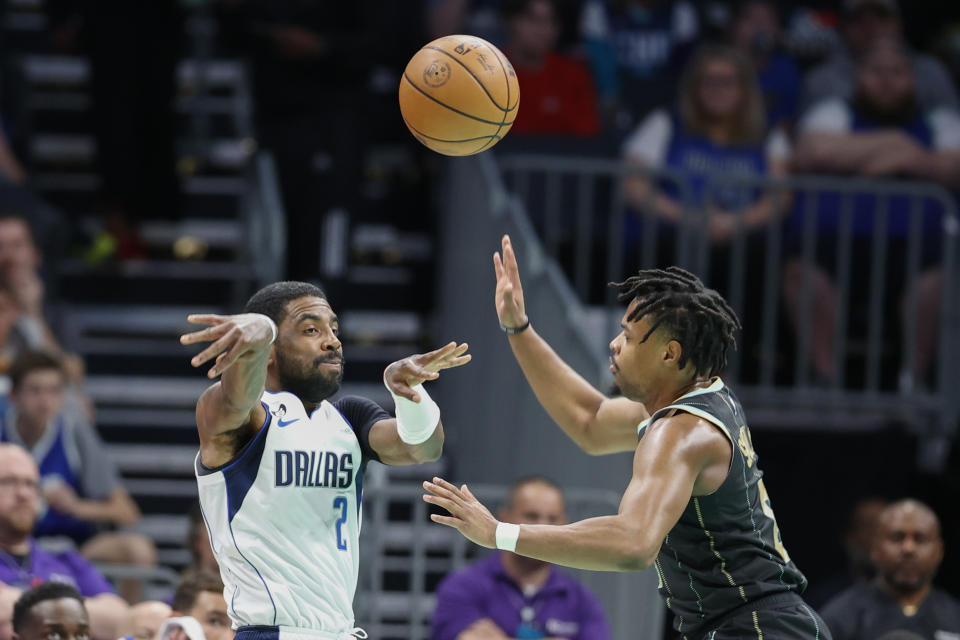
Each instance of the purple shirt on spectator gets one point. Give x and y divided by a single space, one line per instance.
562 608
43 566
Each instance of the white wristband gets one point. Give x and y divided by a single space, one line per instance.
416 421
507 536
273 328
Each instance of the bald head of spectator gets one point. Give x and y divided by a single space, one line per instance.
886 89
19 495
908 548
147 617
534 500
866 21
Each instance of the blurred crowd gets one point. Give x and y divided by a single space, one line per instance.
857 88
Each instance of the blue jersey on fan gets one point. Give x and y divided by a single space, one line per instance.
68 451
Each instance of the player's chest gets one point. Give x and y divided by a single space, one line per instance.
310 456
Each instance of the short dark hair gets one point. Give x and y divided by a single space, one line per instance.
696 317
520 483
192 585
29 361
513 8
272 300
41 593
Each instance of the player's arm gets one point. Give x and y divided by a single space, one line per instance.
241 346
597 424
678 458
416 435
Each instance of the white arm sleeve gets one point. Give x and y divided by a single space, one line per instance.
829 116
945 123
778 146
648 143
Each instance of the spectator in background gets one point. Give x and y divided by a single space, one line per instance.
882 131
23 564
200 596
857 545
558 94
755 31
146 618
479 18
10 168
636 50
720 129
907 550
19 331
79 482
51 611
863 23
508 596
8 596
198 542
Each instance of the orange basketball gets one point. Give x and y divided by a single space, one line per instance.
459 95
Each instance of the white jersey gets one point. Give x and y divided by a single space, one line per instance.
284 516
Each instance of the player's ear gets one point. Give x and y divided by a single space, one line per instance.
672 352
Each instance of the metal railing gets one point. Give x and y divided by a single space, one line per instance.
406 554
879 239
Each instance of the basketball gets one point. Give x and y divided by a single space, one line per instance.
459 95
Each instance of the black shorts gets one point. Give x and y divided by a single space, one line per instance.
783 618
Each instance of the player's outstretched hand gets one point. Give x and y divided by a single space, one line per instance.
509 295
401 376
467 515
232 337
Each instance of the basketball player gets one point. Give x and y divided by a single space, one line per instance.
280 467
696 507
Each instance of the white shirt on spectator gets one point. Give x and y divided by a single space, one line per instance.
649 142
834 115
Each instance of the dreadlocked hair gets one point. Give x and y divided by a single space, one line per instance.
697 317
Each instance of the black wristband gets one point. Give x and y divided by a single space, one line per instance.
512 331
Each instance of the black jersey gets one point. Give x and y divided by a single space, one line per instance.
726 549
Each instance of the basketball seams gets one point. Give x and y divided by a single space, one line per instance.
500 58
454 109
477 138
474 76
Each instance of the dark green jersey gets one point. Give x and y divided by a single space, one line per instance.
725 550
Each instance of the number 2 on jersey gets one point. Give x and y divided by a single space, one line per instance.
341 503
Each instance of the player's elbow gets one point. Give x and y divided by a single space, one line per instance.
429 451
636 553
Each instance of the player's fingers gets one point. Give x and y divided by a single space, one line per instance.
204 335
405 391
448 492
465 490
444 503
457 362
497 265
444 361
509 257
222 344
225 360
206 318
436 354
451 489
447 520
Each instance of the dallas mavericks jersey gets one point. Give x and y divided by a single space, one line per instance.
725 550
284 515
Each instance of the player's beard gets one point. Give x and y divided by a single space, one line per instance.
310 383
